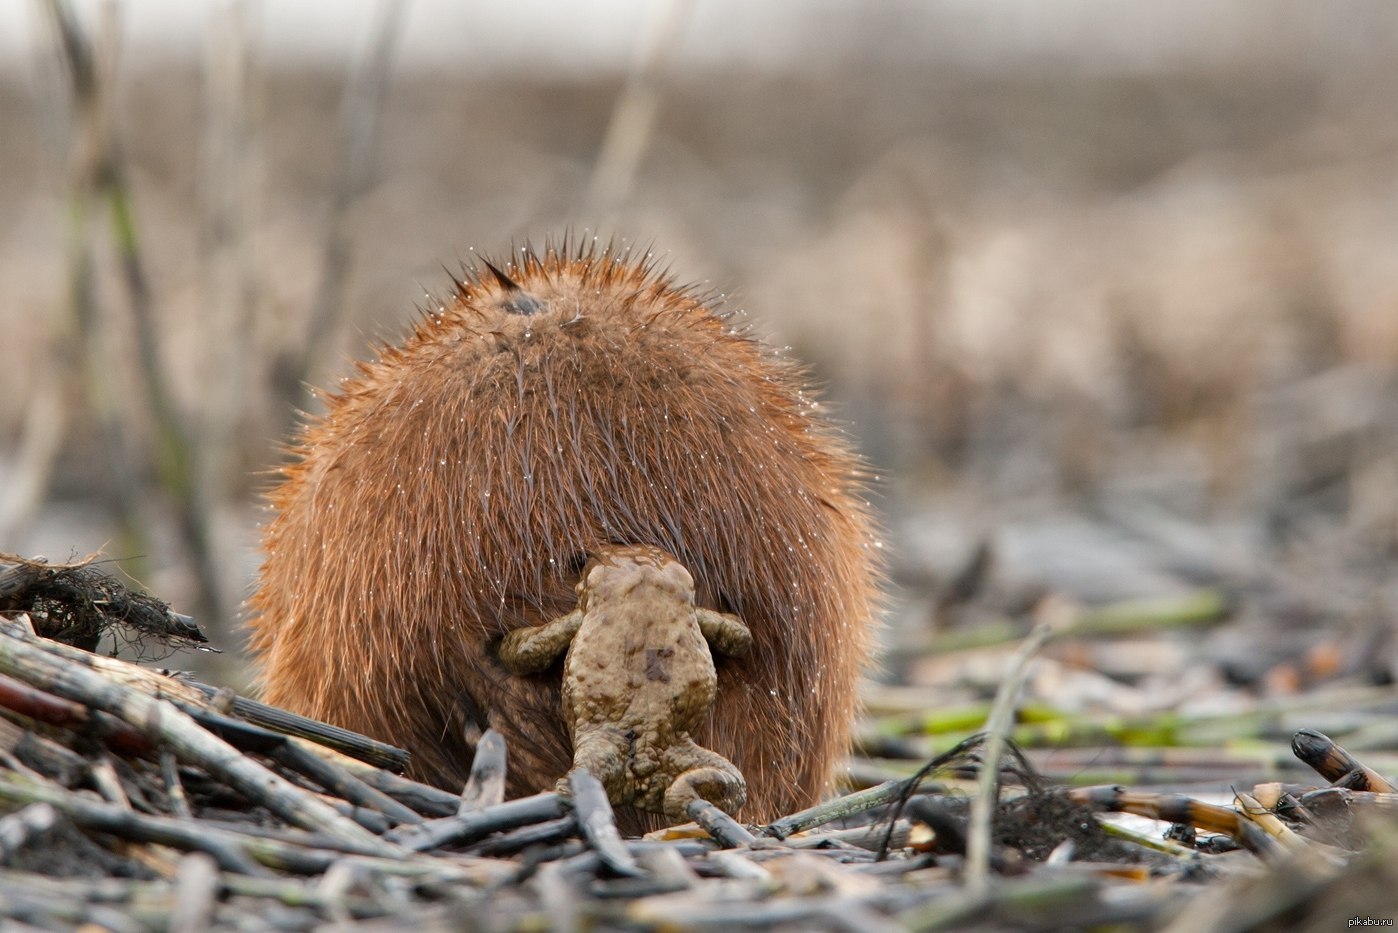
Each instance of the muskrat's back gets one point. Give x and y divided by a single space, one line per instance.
455 487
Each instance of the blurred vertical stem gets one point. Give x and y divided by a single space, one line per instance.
79 344
632 122
54 390
99 175
1053 617
227 285
40 441
360 110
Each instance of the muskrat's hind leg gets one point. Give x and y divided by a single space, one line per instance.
727 633
533 648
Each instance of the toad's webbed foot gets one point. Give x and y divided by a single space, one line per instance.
720 783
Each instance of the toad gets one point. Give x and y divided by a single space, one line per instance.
638 678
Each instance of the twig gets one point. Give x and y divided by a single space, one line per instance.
997 729
342 783
19 828
174 787
234 851
725 830
142 900
104 817
1149 841
485 786
876 838
104 777
1031 898
1128 617
460 830
1336 764
549 832
737 866
164 723
838 808
343 741
22 748
1131 617
423 798
594 815
196 892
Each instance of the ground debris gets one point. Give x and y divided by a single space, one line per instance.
78 603
134 801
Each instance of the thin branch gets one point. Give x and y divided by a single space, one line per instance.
164 723
996 734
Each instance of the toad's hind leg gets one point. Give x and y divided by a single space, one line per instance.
604 753
531 649
703 775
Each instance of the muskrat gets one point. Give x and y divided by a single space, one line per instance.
568 400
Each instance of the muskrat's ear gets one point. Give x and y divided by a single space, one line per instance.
520 301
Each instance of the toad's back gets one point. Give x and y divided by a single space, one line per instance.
639 657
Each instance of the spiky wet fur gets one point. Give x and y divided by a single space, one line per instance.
570 398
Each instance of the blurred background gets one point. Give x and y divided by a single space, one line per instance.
1107 292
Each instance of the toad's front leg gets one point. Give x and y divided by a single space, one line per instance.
727 633
533 648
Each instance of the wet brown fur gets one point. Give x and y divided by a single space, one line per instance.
454 488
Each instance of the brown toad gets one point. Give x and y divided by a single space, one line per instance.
638 678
